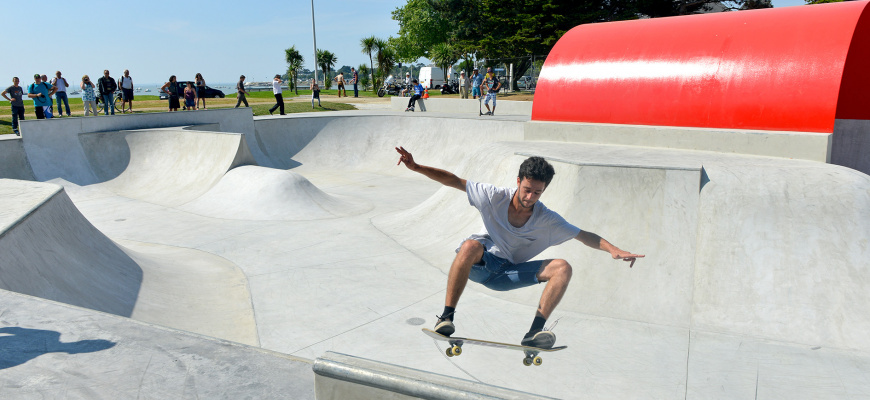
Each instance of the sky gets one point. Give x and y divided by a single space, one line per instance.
221 39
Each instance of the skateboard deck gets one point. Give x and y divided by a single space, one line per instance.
456 344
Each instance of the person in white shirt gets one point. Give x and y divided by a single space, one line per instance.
61 84
126 83
279 97
517 227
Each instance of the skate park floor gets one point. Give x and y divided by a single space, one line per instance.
274 246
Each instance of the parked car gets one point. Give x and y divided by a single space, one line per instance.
209 92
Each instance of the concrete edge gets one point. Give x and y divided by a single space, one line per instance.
617 165
165 328
811 146
23 217
407 381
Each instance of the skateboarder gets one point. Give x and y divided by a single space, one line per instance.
517 227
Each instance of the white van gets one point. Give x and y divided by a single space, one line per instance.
431 77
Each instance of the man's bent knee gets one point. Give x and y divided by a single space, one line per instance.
556 268
472 248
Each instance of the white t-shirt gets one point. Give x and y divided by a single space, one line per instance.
544 228
127 82
276 87
59 84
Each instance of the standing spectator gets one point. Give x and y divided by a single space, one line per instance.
315 93
200 90
340 79
88 97
418 92
279 97
107 87
406 84
240 89
463 85
60 94
355 81
126 91
17 103
492 85
49 110
476 81
41 93
171 89
190 97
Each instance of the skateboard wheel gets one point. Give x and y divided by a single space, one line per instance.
457 350
449 352
527 361
538 361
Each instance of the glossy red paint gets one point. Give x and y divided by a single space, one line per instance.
787 69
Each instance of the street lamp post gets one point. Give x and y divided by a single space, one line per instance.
314 35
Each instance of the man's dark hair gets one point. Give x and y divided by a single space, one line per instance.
537 168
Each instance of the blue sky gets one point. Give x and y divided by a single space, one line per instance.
220 39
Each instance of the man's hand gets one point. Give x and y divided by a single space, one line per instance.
406 158
617 253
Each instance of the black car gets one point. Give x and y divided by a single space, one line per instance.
209 92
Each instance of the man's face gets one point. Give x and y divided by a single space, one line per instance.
58 74
45 78
106 74
37 78
14 81
529 191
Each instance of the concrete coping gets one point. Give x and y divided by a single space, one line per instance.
408 381
615 164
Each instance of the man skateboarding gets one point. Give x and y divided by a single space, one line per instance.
517 227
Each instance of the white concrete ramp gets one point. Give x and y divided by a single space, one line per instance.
303 236
257 193
49 250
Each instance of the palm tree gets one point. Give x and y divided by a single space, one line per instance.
365 78
443 56
369 45
326 60
294 64
386 58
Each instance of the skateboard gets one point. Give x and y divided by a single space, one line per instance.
455 349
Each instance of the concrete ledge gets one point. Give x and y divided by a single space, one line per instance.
54 350
13 160
462 106
340 376
798 145
237 120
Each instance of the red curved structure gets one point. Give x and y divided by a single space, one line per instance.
788 69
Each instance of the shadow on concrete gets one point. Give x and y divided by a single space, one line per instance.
20 345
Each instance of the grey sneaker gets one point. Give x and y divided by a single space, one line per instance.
445 327
540 339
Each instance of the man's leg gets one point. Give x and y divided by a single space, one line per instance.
355 90
470 253
486 103
40 112
557 273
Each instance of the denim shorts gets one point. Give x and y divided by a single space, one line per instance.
499 274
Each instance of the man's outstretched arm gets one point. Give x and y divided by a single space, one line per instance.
435 174
597 242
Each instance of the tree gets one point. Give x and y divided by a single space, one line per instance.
386 57
326 60
421 27
364 78
294 64
444 56
369 45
